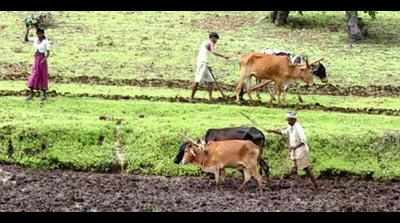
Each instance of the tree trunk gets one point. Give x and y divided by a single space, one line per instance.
273 16
279 17
355 28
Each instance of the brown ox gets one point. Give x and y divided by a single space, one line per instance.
277 69
243 155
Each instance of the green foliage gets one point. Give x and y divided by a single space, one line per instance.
340 143
371 13
64 133
42 140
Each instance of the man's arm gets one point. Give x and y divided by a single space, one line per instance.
219 55
278 132
26 35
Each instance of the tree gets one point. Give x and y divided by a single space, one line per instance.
279 17
356 29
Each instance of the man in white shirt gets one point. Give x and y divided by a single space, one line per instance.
298 148
203 72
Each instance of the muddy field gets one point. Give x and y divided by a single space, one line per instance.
33 190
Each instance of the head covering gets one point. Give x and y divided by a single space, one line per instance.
291 114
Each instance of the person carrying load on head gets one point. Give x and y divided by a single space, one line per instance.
39 77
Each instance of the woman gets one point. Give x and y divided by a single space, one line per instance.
39 78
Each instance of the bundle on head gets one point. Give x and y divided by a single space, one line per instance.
41 21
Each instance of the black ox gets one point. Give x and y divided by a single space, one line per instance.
240 133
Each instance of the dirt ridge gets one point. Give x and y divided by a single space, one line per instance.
316 106
316 89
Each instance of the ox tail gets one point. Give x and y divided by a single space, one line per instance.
263 164
264 167
246 86
242 81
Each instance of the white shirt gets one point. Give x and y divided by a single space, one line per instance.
42 46
205 48
295 134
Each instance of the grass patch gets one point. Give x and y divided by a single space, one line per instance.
155 44
54 137
344 142
338 101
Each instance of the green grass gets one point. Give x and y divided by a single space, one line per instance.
54 138
136 45
164 44
342 142
339 101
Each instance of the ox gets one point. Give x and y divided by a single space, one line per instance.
278 69
318 69
215 156
240 133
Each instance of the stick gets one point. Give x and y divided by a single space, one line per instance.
259 86
216 83
252 121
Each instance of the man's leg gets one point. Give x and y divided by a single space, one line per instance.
210 89
311 176
198 79
194 89
293 171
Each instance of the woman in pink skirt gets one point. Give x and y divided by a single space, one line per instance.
39 78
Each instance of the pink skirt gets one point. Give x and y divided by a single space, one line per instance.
40 77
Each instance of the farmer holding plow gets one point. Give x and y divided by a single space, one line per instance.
203 71
298 148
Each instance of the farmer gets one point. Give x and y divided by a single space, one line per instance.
39 76
298 148
203 71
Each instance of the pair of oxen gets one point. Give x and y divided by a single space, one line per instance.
238 147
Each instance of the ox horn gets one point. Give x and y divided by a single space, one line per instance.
317 61
203 144
191 140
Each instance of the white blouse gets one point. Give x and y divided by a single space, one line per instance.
42 46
